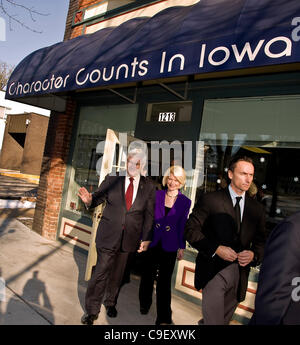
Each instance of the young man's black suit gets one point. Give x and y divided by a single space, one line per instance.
212 223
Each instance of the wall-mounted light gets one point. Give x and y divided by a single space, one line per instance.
262 159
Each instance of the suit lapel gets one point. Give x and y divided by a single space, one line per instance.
161 204
247 212
139 194
227 203
173 209
122 187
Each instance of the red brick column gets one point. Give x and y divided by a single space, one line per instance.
73 7
53 171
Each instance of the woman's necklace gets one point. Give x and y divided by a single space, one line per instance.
172 196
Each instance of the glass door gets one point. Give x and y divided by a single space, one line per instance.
113 161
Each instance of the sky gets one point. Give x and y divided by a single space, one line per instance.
18 41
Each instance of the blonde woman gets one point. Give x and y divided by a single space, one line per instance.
171 212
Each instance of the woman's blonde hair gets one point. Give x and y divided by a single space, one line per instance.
178 172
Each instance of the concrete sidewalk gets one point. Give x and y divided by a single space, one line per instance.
45 285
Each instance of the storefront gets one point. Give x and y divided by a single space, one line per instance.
213 87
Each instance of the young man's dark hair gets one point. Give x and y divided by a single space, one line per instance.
235 159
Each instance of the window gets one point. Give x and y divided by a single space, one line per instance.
85 169
105 6
265 129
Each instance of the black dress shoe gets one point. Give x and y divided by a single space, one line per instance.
111 311
144 311
88 319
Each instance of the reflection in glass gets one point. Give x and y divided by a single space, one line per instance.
88 151
265 129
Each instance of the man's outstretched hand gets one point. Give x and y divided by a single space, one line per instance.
85 196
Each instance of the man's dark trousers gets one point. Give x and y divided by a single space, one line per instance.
110 268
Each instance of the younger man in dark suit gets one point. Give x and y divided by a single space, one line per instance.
125 226
227 228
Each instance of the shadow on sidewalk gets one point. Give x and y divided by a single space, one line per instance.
34 296
59 297
34 291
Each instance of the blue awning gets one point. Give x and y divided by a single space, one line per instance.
210 36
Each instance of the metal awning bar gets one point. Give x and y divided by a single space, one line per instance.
183 97
133 100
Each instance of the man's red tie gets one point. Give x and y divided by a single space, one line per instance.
129 194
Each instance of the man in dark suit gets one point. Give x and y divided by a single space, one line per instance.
125 226
277 300
227 227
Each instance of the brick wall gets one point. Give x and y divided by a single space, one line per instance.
85 3
53 171
76 5
73 7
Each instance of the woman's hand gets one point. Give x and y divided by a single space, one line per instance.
143 246
180 254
